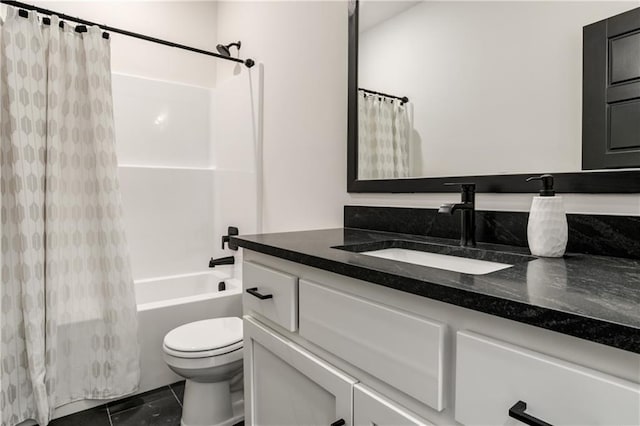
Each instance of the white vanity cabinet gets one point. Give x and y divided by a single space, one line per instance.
288 385
364 354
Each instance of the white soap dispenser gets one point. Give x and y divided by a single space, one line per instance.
547 229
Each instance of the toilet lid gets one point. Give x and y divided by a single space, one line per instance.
205 335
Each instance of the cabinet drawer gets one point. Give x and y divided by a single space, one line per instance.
371 408
399 348
271 294
492 376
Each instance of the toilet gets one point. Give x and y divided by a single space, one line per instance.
208 354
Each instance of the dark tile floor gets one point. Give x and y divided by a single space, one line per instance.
162 406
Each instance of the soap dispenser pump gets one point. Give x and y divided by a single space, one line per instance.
547 231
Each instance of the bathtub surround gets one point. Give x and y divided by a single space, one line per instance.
161 123
187 168
169 219
603 235
71 305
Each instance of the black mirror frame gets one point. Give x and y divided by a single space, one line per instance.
620 182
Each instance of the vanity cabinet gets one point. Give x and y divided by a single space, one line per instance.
366 354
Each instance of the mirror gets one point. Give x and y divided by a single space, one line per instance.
460 90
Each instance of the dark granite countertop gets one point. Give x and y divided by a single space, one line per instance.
596 298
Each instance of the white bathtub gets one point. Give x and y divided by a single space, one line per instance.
155 293
164 303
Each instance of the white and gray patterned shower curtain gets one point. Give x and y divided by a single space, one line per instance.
68 325
383 138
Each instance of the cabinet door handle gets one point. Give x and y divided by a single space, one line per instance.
339 422
517 412
254 292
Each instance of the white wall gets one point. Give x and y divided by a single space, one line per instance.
496 87
303 46
187 22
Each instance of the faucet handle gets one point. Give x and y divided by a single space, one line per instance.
467 191
465 186
231 231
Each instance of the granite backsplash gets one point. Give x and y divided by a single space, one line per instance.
604 235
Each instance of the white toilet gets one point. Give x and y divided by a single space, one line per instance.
209 355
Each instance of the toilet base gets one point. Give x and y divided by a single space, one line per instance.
211 404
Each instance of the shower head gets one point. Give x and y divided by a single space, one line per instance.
223 49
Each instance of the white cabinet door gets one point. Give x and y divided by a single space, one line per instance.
372 409
286 385
493 376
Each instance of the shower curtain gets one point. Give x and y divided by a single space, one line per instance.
68 325
383 138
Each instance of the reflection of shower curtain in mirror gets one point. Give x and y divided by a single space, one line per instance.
68 314
383 138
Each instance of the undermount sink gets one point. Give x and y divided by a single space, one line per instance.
466 260
440 261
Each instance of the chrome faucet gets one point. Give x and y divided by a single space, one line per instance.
468 208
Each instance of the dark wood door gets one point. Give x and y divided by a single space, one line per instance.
611 92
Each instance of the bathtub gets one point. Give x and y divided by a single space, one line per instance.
165 303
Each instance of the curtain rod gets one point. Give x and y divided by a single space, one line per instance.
404 99
248 62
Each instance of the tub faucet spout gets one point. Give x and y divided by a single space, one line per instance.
229 260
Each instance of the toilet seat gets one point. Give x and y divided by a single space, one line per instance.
203 339
202 354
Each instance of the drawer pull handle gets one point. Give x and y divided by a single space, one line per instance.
517 412
254 292
339 422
